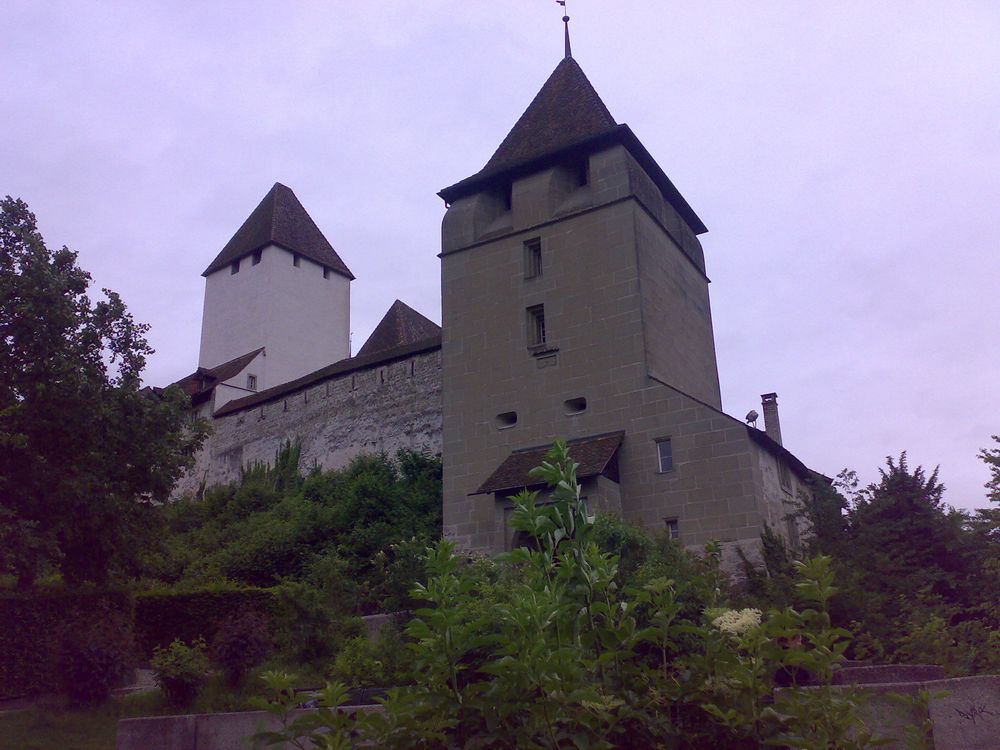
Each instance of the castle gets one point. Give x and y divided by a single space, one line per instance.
575 304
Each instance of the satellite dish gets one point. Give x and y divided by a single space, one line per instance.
751 417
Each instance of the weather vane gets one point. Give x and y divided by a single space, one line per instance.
569 52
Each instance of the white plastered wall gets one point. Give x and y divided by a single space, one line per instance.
301 318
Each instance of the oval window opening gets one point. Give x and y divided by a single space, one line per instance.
575 405
506 420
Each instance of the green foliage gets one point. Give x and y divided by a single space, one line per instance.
180 670
83 449
307 626
96 657
548 650
991 457
162 617
33 629
352 533
916 575
240 644
379 662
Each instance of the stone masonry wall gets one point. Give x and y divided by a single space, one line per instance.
384 407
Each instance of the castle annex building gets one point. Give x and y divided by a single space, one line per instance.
575 304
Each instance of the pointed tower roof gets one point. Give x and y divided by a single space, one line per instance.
280 219
567 110
566 119
400 326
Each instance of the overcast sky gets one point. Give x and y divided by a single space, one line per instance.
844 156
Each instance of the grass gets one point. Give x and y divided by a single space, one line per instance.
68 728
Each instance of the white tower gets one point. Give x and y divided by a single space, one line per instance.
280 285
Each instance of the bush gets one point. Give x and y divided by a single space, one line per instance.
180 670
33 630
240 645
162 617
307 627
365 663
97 658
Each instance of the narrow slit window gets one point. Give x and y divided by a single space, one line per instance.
536 325
665 455
257 254
506 419
235 267
326 272
533 258
251 382
296 260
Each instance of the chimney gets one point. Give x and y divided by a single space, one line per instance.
772 425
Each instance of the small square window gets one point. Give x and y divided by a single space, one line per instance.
665 455
256 257
235 267
673 528
251 382
536 325
296 260
533 258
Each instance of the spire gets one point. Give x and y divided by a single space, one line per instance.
565 111
569 51
280 219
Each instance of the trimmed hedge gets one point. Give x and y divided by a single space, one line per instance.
32 631
161 617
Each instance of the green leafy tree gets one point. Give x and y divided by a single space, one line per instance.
991 456
84 450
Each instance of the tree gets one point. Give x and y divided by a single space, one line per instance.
991 456
84 450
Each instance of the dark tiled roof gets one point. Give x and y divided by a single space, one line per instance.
566 110
566 120
343 367
401 325
280 219
595 455
202 380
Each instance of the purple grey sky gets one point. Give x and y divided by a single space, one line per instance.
845 157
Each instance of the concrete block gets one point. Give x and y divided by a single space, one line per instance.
968 716
157 733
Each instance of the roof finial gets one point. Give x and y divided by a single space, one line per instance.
569 52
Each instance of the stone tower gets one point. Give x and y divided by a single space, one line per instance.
279 285
575 304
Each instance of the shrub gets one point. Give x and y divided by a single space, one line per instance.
97 658
306 625
180 670
365 663
240 644
162 617
33 630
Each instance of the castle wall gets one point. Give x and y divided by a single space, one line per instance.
391 405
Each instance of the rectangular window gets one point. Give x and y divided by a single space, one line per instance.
533 258
784 476
665 455
296 260
256 256
251 382
326 272
235 268
673 528
536 325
